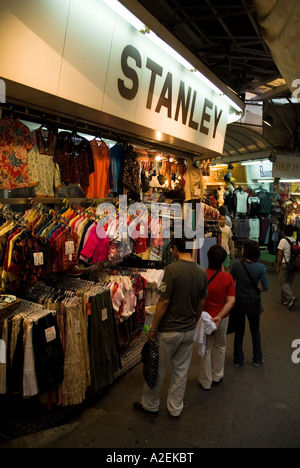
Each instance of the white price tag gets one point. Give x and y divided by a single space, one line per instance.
141 294
69 247
38 258
77 327
2 352
50 334
104 314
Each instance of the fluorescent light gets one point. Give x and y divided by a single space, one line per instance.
126 14
253 163
286 181
140 26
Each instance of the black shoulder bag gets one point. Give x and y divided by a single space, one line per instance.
250 277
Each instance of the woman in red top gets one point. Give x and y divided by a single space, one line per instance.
220 299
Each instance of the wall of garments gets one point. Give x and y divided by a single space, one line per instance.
84 291
46 161
256 214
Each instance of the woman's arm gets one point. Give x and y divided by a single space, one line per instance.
230 300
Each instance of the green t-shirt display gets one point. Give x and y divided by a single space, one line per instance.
184 284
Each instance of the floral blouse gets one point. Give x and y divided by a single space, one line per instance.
75 158
15 141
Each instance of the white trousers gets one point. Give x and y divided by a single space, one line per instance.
211 367
177 348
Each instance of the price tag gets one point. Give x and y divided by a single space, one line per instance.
77 327
38 258
104 314
69 247
197 192
2 352
50 334
141 294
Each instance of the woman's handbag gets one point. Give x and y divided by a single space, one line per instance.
259 301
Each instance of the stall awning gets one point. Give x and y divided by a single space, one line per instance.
244 143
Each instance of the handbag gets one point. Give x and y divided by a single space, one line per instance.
150 356
253 284
250 278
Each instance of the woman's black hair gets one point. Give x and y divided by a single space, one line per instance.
216 256
251 250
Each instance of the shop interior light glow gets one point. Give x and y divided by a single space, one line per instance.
141 27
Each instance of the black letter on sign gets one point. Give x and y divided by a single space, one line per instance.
129 93
156 70
163 100
183 103
206 117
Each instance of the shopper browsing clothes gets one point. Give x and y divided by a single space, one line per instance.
182 295
226 241
218 303
285 275
247 274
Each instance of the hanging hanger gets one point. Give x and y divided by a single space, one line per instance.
44 125
98 136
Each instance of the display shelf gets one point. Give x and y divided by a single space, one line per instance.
7 311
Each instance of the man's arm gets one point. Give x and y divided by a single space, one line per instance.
279 259
161 308
200 309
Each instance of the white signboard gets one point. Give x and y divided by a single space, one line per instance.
286 167
259 171
92 56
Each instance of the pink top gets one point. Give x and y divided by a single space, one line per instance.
96 248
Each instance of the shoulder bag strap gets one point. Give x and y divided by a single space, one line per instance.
213 276
250 277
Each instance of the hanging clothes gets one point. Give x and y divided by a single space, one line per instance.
99 179
15 142
116 167
131 172
74 155
44 173
193 187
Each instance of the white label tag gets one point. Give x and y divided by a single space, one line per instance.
38 258
197 192
141 294
50 334
2 352
69 248
104 314
77 327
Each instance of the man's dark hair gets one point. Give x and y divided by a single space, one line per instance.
216 256
251 250
222 210
288 230
181 244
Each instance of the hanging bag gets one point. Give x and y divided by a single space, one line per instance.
254 302
150 355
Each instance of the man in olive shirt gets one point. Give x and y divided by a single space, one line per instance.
182 294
